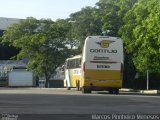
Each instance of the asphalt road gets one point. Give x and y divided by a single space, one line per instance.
40 102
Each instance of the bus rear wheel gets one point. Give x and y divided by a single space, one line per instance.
78 85
86 90
68 88
114 91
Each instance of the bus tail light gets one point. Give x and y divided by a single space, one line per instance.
121 68
122 71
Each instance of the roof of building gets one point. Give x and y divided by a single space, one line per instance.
13 62
7 22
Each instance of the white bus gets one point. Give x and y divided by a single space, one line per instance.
72 72
102 64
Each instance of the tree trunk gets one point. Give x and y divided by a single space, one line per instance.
46 77
47 83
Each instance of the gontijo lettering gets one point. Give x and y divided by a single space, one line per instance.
102 51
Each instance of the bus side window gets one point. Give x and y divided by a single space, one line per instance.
73 63
70 64
78 63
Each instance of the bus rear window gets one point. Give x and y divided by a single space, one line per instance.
74 63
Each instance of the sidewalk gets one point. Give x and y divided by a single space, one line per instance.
141 91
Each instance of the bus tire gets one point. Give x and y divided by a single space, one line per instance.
110 91
86 90
116 91
78 85
68 88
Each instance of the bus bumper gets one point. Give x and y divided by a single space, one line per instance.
103 84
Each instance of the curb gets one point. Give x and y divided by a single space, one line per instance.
128 90
150 91
141 91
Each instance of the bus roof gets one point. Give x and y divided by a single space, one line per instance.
103 37
74 57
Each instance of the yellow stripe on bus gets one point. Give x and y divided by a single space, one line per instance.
74 78
102 78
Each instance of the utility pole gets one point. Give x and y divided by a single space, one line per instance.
147 79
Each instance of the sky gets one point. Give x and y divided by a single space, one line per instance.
52 9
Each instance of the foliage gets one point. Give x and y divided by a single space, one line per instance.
85 23
42 42
109 16
141 34
69 40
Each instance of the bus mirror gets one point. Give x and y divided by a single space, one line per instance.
62 68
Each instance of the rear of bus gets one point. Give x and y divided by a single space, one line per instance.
102 64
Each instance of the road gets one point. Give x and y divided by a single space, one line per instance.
60 101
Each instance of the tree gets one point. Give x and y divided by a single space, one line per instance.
42 42
85 23
129 67
71 41
141 34
111 22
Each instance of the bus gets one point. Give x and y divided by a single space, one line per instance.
72 70
100 67
102 64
